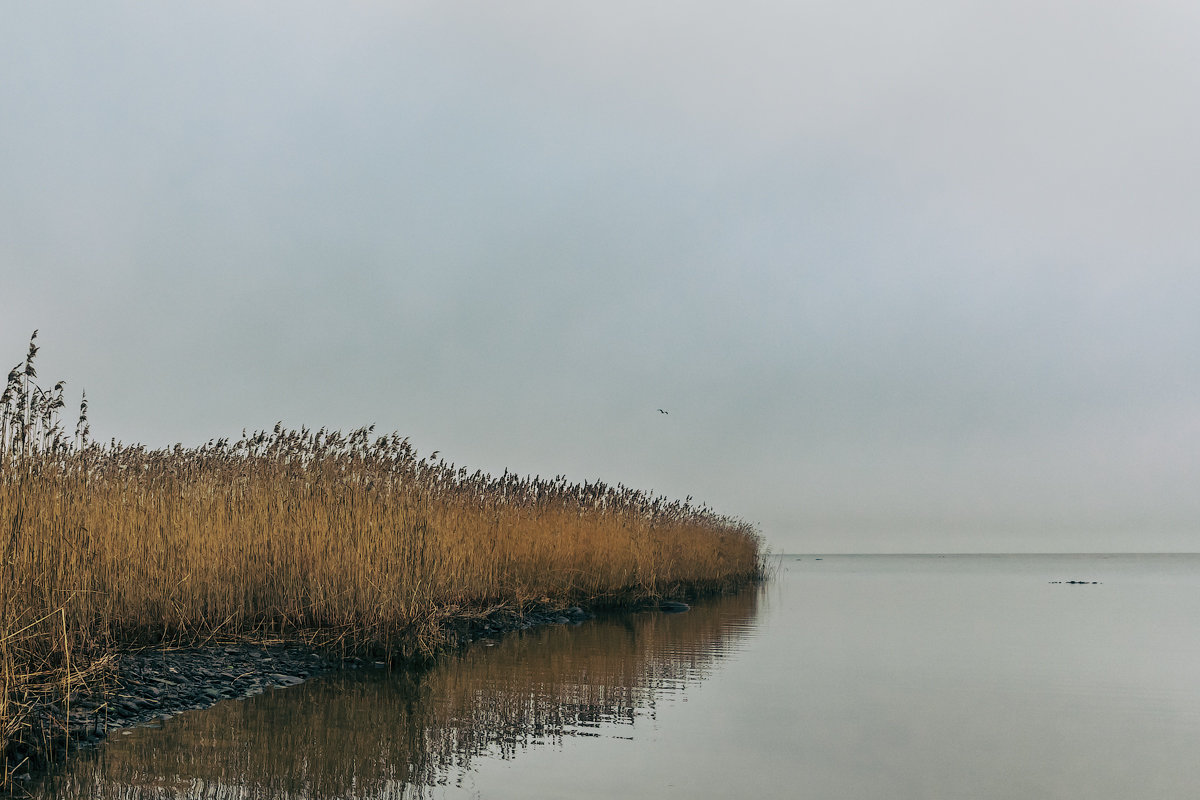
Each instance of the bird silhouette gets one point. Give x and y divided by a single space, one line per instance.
663 412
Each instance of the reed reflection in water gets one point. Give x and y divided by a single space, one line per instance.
367 734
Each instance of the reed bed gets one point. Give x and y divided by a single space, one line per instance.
351 539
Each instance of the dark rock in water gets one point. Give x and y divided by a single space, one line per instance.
292 680
673 607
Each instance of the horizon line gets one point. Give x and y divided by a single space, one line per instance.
1013 553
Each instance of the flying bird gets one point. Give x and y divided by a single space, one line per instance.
663 412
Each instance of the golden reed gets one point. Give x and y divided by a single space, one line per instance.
339 538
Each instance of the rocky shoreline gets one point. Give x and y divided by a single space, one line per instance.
155 684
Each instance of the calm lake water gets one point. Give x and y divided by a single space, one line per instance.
845 677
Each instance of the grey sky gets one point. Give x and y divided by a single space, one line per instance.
908 276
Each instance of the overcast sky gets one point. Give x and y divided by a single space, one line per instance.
916 276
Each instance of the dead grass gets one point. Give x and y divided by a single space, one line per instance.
350 537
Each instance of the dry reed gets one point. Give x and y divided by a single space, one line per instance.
345 537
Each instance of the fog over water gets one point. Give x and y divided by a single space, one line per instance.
907 277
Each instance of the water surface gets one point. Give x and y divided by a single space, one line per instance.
846 677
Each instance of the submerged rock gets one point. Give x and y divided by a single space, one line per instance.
673 607
285 680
